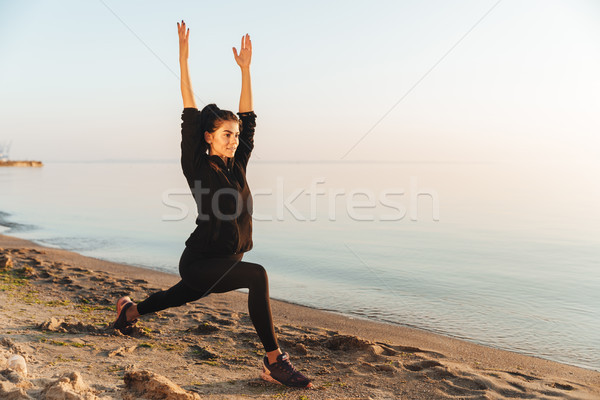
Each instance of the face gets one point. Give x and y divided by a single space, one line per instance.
224 141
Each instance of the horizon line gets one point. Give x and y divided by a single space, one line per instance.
322 161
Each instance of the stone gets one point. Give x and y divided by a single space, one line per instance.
52 324
301 349
69 387
151 386
8 391
376 350
12 376
17 363
6 262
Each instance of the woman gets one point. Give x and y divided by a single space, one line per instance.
212 260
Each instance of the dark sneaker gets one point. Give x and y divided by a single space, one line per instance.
121 302
283 372
121 323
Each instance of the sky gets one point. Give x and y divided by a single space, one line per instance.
467 80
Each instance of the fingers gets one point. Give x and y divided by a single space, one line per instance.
245 47
246 43
181 29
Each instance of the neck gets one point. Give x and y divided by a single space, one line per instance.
210 153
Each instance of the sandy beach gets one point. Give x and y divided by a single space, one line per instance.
57 307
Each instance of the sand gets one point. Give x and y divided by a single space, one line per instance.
56 308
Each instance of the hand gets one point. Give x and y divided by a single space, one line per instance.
243 59
183 40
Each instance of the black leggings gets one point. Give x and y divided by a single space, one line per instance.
202 275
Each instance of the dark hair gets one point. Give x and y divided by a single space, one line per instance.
211 119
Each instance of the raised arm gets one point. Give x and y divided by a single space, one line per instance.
242 154
190 145
186 85
243 60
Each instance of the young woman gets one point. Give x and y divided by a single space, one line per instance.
212 259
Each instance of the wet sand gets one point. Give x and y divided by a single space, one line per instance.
57 307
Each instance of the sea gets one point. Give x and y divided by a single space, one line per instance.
504 254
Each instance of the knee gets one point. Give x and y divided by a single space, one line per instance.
259 274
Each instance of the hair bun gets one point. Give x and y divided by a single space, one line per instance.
208 115
212 107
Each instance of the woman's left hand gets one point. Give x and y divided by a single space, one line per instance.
245 56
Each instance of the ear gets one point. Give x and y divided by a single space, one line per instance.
208 136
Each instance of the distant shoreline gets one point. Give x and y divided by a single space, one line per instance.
21 164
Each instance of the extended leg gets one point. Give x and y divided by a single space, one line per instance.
219 275
174 297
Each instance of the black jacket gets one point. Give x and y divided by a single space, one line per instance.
226 227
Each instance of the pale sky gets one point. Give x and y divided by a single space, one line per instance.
79 82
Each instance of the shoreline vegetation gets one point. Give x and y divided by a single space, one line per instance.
16 163
57 307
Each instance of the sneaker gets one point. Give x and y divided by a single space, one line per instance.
121 302
121 323
283 372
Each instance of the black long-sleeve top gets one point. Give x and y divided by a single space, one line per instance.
226 226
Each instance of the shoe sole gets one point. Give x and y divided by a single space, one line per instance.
121 302
265 375
127 324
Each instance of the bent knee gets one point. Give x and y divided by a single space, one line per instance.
258 273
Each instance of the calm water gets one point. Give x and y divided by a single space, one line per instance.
503 254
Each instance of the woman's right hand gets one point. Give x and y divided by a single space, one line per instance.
183 40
